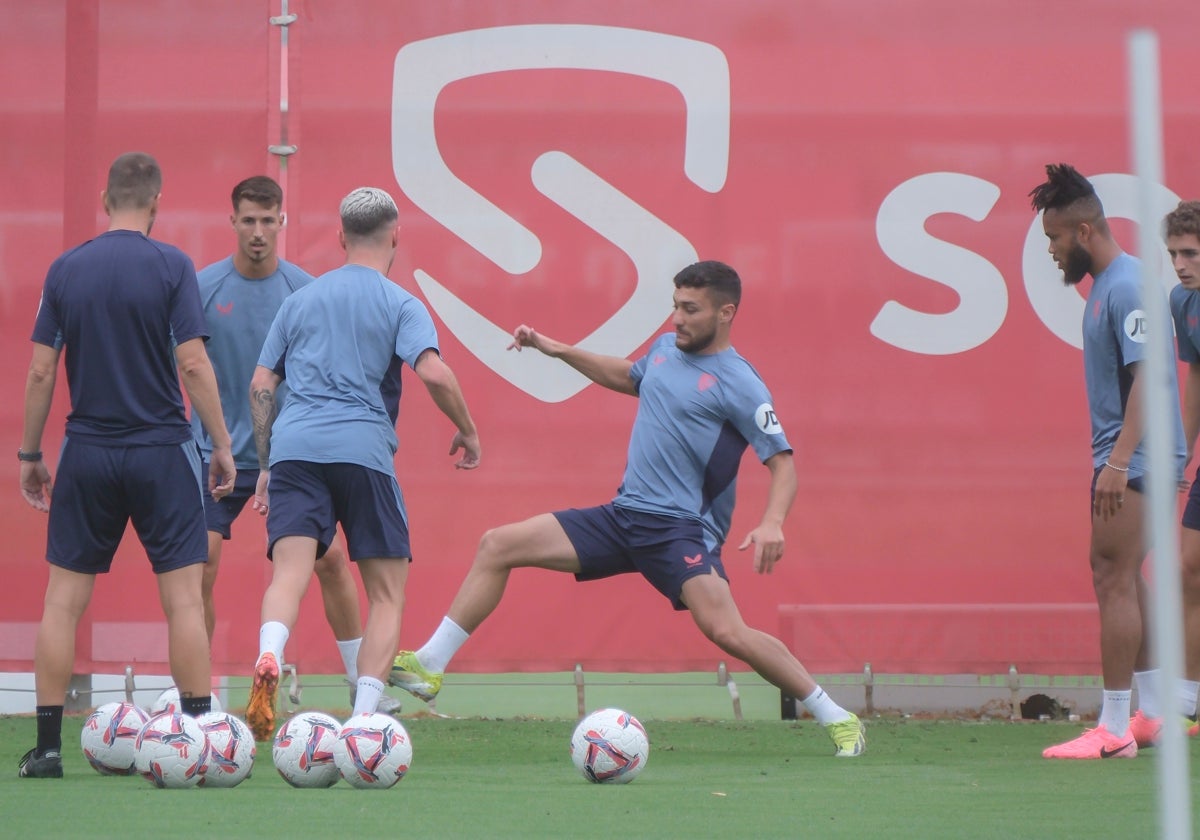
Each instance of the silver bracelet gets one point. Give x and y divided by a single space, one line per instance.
1115 467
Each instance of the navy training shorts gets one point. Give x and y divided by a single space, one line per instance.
665 550
220 513
1191 511
100 489
309 499
1137 484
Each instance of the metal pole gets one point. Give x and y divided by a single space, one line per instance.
1174 794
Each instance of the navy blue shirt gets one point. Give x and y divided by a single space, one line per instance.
118 305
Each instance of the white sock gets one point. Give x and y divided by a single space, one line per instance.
349 651
369 691
821 706
1188 689
436 654
1114 713
1147 689
272 637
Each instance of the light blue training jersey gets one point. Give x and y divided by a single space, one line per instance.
1185 311
239 312
339 342
696 415
1114 336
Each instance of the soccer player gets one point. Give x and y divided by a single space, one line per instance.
241 295
700 404
1182 230
328 456
122 306
1114 336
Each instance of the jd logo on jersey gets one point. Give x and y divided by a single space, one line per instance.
423 68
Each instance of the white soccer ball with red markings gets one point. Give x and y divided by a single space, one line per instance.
171 751
168 701
610 746
231 749
109 736
373 750
303 750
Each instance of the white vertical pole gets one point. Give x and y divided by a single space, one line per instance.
1174 788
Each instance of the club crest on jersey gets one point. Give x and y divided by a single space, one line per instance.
226 309
765 419
707 380
1135 326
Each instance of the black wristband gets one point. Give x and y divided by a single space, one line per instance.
29 456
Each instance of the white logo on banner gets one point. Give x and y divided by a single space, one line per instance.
983 295
423 68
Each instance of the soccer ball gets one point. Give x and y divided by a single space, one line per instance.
168 701
303 750
171 751
610 746
109 735
231 749
373 751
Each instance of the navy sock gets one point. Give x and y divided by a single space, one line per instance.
195 706
49 729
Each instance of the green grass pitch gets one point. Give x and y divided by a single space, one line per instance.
512 777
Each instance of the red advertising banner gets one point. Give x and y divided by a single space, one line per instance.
865 166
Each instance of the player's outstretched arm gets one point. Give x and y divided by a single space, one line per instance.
200 381
767 538
610 371
443 387
39 393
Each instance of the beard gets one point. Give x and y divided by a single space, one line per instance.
1077 266
695 342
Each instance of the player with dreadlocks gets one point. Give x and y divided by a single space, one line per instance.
1114 347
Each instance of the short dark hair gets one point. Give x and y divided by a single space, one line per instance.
1183 220
259 189
1066 189
715 276
134 181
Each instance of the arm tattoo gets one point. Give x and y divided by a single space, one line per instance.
262 412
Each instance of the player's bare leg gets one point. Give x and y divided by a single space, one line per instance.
293 559
187 640
1190 562
67 596
711 604
1117 549
712 607
211 565
384 580
339 594
538 542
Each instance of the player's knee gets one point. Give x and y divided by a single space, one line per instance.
1190 576
727 636
496 548
331 566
